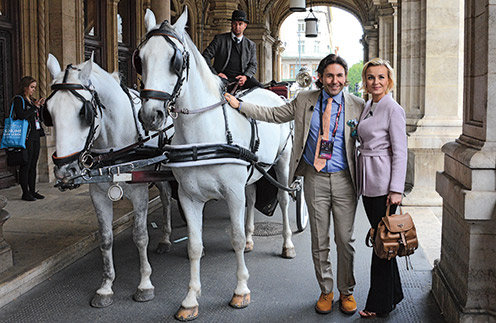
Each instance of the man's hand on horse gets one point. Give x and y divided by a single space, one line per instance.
241 79
222 75
233 102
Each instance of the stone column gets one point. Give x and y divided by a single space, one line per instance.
464 280
372 39
277 50
387 32
162 10
442 108
411 62
64 25
6 259
111 36
261 36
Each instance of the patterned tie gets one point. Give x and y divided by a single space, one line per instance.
318 162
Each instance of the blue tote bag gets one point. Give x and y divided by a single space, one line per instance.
15 131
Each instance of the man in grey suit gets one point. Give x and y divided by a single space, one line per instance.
235 56
324 154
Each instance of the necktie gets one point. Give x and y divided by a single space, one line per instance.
318 162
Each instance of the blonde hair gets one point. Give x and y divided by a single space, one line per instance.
378 62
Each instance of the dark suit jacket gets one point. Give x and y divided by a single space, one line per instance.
220 49
300 110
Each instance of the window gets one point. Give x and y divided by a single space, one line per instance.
316 46
301 46
126 41
301 26
3 7
94 31
292 71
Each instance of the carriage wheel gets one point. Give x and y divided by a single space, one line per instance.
301 211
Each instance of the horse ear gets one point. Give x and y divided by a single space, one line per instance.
85 73
180 24
117 76
150 20
53 65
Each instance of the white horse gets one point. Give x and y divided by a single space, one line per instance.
163 58
114 127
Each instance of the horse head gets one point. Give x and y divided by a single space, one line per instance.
162 59
73 110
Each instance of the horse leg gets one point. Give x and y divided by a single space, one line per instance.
236 203
189 309
250 216
288 249
165 244
138 194
104 213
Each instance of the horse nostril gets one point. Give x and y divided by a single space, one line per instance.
160 115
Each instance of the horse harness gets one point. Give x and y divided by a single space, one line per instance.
86 158
180 63
88 114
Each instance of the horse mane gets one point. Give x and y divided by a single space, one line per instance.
212 81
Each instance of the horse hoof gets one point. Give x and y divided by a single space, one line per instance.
249 247
187 313
163 248
100 301
240 301
288 253
144 295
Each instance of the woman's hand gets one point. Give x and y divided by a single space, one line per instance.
40 102
233 102
394 198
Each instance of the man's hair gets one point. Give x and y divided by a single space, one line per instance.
24 83
328 60
378 62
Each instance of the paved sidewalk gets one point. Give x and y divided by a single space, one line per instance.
48 235
63 228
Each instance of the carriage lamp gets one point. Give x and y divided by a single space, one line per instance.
311 29
297 5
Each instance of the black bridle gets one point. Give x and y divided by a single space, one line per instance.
88 113
180 63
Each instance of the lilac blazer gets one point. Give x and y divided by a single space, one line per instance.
382 154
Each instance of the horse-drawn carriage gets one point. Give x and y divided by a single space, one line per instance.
215 152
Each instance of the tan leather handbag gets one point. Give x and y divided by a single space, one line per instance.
396 236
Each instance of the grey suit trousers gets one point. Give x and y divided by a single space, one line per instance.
326 195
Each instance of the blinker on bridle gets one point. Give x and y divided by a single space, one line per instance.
180 62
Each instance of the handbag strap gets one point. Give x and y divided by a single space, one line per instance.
387 210
12 106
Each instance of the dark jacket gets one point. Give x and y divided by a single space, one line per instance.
28 112
220 49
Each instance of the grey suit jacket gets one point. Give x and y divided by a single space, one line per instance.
300 110
220 49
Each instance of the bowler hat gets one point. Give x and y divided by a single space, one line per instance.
239 15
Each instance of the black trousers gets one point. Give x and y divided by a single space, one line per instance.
250 82
27 173
385 284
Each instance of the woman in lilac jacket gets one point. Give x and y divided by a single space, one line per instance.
381 172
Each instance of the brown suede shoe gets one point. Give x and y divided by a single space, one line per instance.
324 304
348 304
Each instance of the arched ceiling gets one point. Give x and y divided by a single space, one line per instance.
276 11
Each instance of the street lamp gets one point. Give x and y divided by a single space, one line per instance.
311 25
297 5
